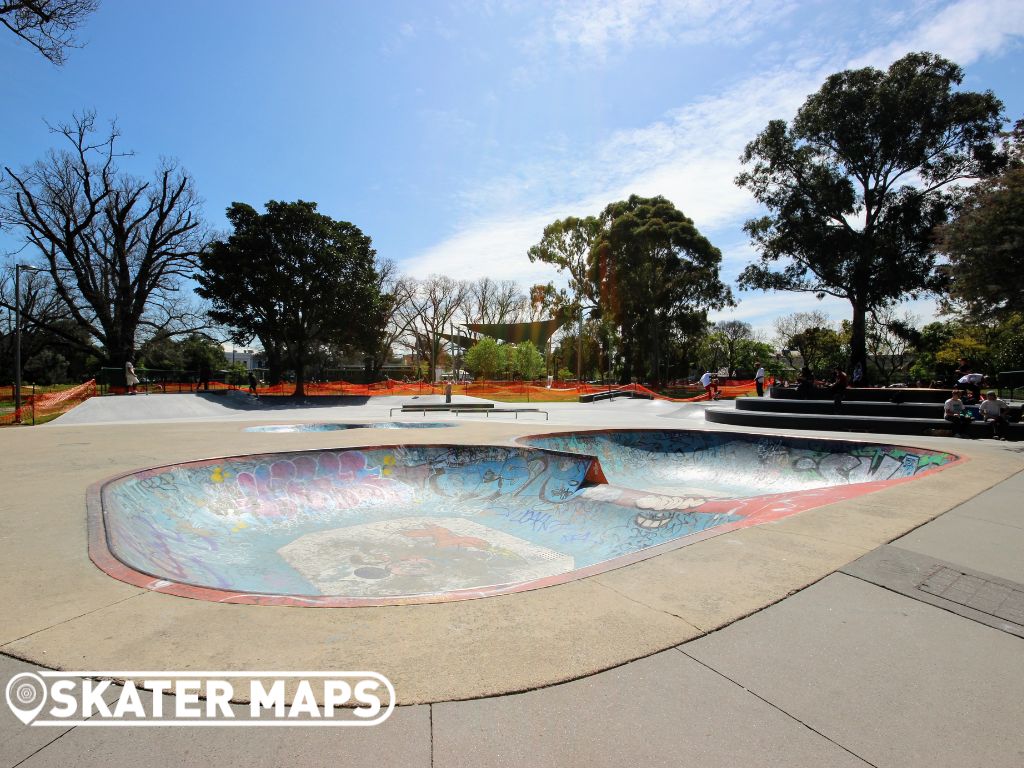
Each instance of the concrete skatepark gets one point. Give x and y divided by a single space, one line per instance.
880 629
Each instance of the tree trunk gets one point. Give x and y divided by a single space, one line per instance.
300 373
858 343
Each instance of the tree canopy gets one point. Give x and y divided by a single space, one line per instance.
116 248
485 358
985 243
859 181
296 279
656 276
49 26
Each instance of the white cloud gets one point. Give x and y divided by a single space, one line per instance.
495 248
595 28
691 156
963 31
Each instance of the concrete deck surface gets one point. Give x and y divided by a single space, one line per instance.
872 665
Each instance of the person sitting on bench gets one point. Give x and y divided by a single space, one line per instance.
953 412
994 410
805 383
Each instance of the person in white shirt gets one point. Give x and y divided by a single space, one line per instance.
953 411
971 382
130 377
993 409
759 380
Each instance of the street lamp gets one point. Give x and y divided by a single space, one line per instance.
18 269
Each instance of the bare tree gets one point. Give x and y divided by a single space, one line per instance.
788 326
732 332
116 247
49 26
889 341
433 306
398 291
490 301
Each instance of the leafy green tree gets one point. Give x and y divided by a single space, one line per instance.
199 353
567 244
525 360
294 278
485 358
657 275
822 349
161 352
750 352
985 243
731 333
932 338
1007 345
847 218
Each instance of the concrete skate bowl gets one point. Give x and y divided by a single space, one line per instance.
333 427
412 524
731 465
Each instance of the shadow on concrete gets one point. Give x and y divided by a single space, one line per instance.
239 401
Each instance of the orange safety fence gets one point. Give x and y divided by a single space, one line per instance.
505 390
152 387
43 405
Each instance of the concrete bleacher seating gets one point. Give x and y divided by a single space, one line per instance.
870 394
905 418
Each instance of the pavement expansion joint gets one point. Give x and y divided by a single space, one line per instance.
776 707
76 617
626 596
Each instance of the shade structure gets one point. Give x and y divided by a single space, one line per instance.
538 332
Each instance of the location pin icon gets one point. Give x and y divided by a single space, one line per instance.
26 695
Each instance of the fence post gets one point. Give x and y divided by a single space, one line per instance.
33 405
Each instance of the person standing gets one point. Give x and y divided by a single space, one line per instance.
448 392
705 381
759 379
252 385
204 376
838 388
971 382
130 378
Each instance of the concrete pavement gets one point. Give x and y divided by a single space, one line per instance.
909 653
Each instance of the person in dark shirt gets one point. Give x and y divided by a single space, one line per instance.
838 387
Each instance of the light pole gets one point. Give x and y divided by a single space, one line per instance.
18 269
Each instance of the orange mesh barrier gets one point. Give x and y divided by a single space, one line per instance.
152 387
499 390
43 405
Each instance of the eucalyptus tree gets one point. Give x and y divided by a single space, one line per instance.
985 243
656 275
859 181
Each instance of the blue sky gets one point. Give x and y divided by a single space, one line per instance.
452 132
